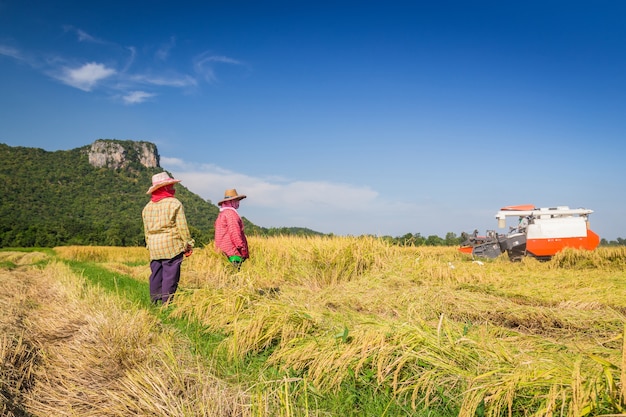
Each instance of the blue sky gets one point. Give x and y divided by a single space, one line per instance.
370 117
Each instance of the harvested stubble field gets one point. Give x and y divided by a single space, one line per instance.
314 327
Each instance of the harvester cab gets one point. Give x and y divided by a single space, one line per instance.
538 232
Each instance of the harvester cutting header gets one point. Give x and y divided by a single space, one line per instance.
540 233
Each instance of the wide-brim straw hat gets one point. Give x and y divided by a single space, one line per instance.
230 195
161 180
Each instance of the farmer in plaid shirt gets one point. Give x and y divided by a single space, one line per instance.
167 237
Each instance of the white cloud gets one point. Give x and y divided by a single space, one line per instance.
10 52
278 202
176 162
222 60
203 64
115 77
86 76
328 207
82 35
164 51
169 81
209 181
135 97
131 58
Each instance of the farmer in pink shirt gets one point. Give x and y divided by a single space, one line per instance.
230 238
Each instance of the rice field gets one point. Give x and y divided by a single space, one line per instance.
355 326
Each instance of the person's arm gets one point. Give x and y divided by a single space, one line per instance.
183 229
235 233
145 227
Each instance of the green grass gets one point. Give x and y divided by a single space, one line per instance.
8 265
47 251
124 286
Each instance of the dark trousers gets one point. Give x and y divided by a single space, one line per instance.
164 278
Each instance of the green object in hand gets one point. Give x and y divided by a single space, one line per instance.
235 258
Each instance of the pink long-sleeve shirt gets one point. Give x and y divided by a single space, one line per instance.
229 233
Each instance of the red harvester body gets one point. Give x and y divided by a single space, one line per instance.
540 232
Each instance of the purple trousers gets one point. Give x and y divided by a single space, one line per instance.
164 278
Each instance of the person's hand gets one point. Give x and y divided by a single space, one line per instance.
188 250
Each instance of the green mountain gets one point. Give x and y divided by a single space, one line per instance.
91 195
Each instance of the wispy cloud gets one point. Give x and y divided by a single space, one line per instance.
166 81
82 35
164 51
135 97
86 76
10 52
120 71
204 65
131 58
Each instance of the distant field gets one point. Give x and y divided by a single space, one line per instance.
354 327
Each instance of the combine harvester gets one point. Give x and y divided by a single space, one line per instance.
540 233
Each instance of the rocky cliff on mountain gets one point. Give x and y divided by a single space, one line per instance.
119 154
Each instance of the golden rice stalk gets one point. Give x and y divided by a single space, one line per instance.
23 258
623 368
100 358
132 254
18 359
252 321
498 337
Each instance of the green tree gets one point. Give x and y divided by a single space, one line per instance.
452 239
434 240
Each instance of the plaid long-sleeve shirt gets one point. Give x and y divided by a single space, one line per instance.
165 228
